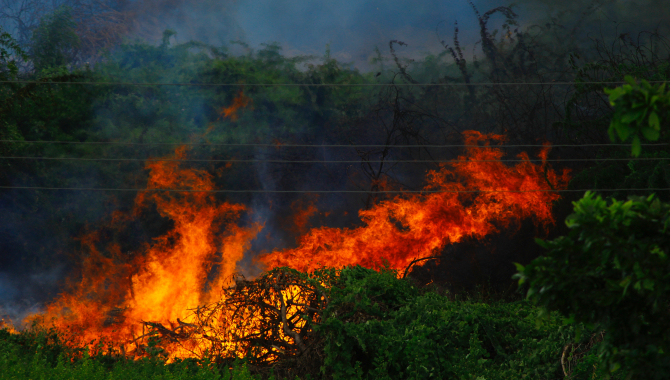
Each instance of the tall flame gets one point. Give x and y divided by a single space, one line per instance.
169 278
470 196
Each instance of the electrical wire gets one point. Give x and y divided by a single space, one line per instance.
310 84
280 145
320 191
329 161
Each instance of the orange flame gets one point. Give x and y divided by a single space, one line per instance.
240 101
476 196
7 325
303 211
170 277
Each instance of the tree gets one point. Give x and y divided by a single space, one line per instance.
611 272
10 53
54 41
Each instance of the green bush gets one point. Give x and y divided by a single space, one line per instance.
379 327
35 354
611 272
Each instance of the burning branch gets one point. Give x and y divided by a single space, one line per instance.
262 319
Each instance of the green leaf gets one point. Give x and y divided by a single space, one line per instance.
654 121
629 117
612 131
658 251
614 94
630 80
650 133
614 366
623 131
637 146
541 243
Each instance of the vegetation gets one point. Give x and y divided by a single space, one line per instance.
40 354
377 326
611 272
374 326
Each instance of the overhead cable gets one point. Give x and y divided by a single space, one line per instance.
328 161
320 191
281 145
308 84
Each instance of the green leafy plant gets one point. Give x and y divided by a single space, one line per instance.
39 354
380 327
638 111
611 273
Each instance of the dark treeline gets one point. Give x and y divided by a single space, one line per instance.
39 227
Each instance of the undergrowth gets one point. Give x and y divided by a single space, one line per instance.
375 326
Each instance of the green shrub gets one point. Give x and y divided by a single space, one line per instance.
379 327
612 272
36 354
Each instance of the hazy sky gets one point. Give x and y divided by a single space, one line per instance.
352 27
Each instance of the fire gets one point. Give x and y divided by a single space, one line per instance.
177 285
240 101
114 297
302 210
471 197
8 326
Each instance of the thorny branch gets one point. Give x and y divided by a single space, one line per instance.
263 319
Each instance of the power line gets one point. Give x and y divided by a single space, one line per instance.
328 161
309 84
280 145
320 191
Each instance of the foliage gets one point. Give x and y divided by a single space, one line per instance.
639 109
54 41
374 325
611 272
377 326
39 354
587 109
10 52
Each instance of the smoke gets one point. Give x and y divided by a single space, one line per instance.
351 28
23 295
209 21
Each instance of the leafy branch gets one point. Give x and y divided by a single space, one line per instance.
638 110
